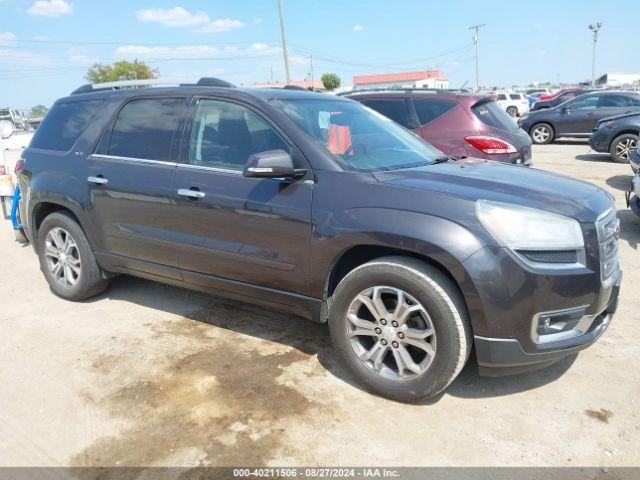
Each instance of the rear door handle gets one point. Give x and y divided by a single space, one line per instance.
186 192
97 180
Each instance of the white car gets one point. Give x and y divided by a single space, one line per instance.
514 103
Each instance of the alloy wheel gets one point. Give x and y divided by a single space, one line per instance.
62 256
391 333
625 147
541 134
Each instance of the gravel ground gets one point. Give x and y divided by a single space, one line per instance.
148 374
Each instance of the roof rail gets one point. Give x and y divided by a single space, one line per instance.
202 82
400 90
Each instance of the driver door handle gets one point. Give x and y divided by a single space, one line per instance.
99 180
186 192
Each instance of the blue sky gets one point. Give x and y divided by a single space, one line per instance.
46 46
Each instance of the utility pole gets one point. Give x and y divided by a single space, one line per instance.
311 60
476 40
595 28
284 43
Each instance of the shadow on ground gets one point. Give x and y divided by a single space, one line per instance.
595 157
629 228
303 335
619 182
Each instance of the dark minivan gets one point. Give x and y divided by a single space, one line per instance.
456 123
319 206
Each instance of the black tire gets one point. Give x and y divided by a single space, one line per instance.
622 146
512 110
542 139
445 307
91 280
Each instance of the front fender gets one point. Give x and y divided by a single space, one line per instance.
443 241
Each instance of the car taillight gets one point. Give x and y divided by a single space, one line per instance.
19 166
490 145
3 170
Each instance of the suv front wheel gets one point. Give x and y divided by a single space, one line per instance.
66 259
401 327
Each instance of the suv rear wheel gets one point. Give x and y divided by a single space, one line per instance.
542 133
622 146
66 259
401 327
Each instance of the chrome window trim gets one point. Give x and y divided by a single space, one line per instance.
212 169
132 159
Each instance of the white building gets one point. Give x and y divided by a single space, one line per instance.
421 79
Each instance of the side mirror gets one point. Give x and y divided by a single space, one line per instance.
271 164
566 109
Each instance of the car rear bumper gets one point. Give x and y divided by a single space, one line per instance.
506 356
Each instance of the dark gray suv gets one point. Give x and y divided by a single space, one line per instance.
319 206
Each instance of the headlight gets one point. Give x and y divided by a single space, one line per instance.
527 229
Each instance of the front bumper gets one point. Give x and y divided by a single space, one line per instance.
599 140
505 356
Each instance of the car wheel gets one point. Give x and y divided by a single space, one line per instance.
622 146
401 328
513 111
542 133
66 259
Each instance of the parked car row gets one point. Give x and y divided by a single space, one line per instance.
322 206
610 119
456 123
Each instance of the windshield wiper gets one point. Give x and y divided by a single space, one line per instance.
447 158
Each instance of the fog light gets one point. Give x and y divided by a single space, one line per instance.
558 322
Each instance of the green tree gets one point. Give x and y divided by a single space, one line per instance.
120 70
38 111
331 81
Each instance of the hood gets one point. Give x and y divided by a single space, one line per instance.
529 187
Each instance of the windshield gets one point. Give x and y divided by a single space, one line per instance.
360 138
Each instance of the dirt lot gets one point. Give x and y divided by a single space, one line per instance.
153 375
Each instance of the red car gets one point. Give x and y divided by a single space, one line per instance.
558 93
456 123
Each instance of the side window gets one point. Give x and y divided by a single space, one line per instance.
582 103
502 96
616 101
395 109
145 128
225 135
429 110
63 124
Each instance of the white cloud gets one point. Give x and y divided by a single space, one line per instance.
221 25
173 17
195 51
358 28
179 17
12 57
41 38
160 53
50 8
7 38
80 55
262 49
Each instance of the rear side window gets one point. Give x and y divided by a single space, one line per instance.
429 110
618 101
502 96
145 128
63 124
395 109
490 113
514 96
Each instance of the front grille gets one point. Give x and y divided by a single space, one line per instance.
608 226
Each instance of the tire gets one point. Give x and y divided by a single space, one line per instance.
622 146
513 111
78 276
424 289
542 133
